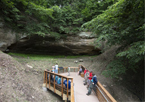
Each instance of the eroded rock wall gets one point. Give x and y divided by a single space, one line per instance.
81 43
7 37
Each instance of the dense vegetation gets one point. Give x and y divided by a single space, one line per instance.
54 17
119 22
122 24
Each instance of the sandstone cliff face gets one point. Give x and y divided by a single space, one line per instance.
7 37
81 43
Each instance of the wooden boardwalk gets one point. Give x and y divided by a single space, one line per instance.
80 89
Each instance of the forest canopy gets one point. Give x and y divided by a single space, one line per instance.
54 17
122 24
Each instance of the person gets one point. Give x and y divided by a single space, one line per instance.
48 75
69 71
69 83
59 80
56 68
94 79
53 69
51 76
90 88
90 75
86 77
89 79
80 71
56 78
85 71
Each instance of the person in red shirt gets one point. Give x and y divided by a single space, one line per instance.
86 77
91 76
89 79
85 71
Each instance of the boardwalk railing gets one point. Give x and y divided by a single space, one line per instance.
102 94
72 93
68 94
65 69
50 83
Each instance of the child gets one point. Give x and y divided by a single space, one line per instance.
69 71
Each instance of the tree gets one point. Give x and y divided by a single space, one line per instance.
25 16
122 24
49 17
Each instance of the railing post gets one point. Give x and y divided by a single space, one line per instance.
54 83
62 86
72 80
44 76
72 91
58 70
49 80
46 79
67 88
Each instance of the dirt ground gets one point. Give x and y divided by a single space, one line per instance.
21 78
19 83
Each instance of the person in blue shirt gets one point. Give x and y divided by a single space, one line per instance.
56 78
94 79
51 77
47 75
80 71
59 80
69 83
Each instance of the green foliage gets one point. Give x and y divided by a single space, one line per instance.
43 57
135 49
122 24
93 8
119 22
40 12
35 57
42 17
114 69
26 17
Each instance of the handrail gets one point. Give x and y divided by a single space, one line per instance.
72 93
65 69
102 93
46 80
70 67
58 74
107 94
54 83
